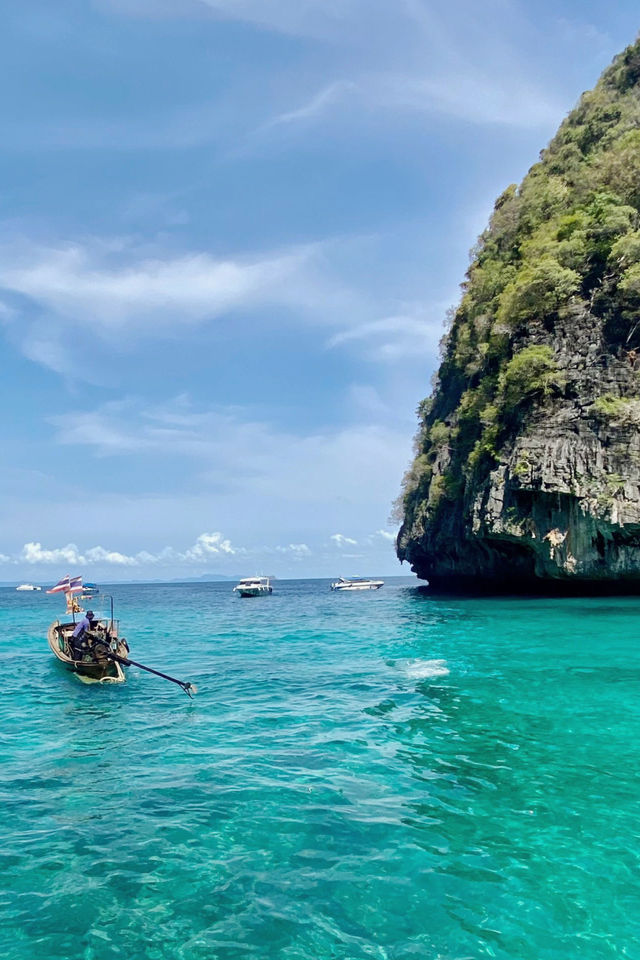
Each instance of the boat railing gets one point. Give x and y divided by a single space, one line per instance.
98 598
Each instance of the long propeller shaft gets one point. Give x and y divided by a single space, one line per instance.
189 688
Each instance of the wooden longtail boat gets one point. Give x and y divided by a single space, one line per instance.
98 654
94 666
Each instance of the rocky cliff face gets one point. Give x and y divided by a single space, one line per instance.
527 467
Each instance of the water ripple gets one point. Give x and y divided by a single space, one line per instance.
390 777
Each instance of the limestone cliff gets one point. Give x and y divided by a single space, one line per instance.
527 466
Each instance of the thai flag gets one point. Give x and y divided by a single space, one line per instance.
75 585
62 586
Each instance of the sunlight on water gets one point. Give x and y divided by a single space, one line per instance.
368 776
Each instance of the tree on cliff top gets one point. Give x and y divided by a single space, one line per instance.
566 239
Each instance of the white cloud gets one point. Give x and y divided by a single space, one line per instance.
34 552
391 537
209 552
100 555
210 545
341 541
298 550
206 547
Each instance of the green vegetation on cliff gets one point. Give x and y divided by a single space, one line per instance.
566 242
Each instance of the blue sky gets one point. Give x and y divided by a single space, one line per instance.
230 231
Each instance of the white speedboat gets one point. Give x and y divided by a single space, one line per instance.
254 587
357 583
28 586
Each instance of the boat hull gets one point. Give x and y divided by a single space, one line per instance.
89 670
347 586
351 588
254 587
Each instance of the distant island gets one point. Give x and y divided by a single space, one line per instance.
527 466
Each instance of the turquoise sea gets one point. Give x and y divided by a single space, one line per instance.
378 775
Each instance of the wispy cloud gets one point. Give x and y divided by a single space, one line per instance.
241 455
84 285
116 292
472 96
576 31
393 338
366 399
322 100
416 58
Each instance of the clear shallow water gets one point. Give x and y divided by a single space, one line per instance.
384 775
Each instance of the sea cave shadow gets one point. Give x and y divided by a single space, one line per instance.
468 588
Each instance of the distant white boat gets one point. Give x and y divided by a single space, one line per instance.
254 587
28 586
357 583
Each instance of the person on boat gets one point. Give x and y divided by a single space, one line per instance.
80 629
